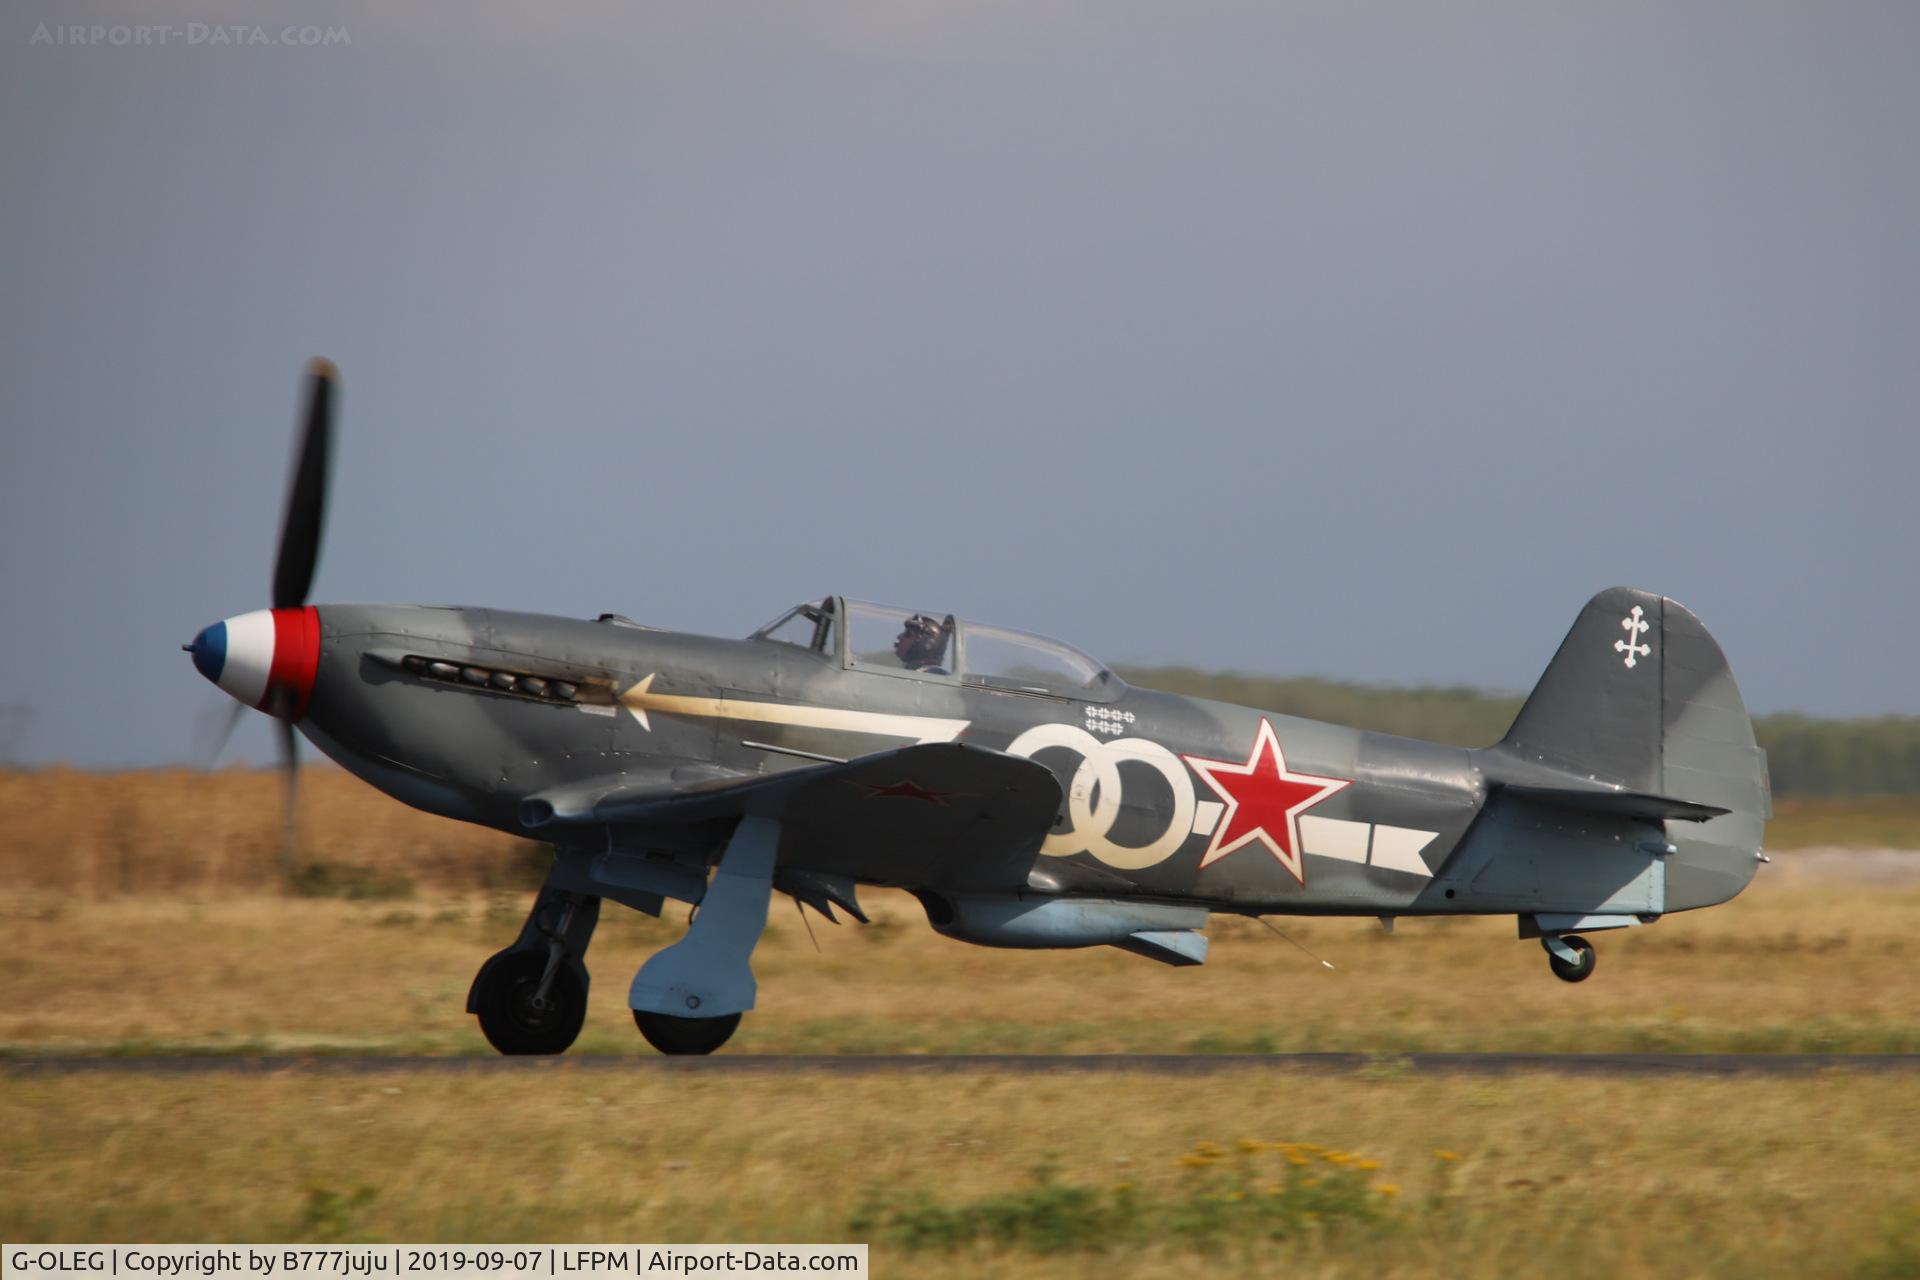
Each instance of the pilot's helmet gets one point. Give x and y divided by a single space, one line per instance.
920 640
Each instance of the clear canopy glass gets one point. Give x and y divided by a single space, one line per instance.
1019 660
927 644
894 639
805 626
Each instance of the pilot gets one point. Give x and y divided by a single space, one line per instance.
920 645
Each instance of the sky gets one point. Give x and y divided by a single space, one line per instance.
1363 341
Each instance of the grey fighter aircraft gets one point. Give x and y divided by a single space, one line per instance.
1026 795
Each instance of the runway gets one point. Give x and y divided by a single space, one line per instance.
1361 1065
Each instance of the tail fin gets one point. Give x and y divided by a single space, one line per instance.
1639 698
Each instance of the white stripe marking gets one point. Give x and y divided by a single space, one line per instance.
1398 849
1334 838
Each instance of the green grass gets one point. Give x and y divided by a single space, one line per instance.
1042 1177
1857 822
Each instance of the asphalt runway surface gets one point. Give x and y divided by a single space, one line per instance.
1350 1064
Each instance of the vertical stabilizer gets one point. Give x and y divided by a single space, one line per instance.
1640 698
1597 710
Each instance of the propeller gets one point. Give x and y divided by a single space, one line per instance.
289 794
211 729
303 516
306 506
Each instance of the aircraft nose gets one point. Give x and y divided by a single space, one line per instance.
266 659
209 650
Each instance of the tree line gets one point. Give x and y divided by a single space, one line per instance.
1806 755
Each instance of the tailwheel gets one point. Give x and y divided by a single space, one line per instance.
517 1017
1578 966
677 1036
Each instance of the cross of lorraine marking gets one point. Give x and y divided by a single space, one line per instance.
1635 626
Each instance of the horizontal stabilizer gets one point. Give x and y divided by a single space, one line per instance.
1610 800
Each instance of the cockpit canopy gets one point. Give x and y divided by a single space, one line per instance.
938 646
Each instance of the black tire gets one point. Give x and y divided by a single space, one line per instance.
1582 969
508 1017
685 1036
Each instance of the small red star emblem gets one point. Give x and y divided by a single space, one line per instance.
1264 801
905 791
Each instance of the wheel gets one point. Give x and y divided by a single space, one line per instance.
674 1035
509 1018
1581 969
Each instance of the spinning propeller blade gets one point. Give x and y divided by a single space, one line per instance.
306 505
211 729
290 773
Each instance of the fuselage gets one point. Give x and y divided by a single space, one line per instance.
1166 798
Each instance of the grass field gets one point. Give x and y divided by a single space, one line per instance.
176 935
1748 1178
1814 957
146 915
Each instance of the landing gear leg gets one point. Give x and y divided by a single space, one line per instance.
532 997
1571 958
688 998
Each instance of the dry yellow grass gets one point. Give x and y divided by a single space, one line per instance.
1814 957
1620 1178
106 834
144 913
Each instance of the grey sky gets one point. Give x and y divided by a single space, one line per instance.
1364 341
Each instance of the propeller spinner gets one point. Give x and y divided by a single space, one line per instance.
265 659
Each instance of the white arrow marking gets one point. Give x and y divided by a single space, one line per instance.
640 699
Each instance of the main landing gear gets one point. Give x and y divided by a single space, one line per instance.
1572 958
687 999
532 997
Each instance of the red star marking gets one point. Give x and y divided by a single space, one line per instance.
905 791
1264 801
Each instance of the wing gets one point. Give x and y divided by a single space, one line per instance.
943 813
